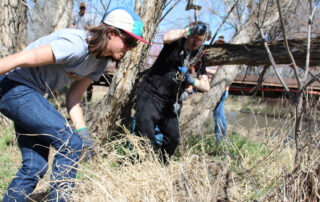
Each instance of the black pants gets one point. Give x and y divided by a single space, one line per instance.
149 113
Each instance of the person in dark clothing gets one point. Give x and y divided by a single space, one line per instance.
166 80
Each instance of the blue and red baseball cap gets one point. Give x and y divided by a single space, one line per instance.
126 20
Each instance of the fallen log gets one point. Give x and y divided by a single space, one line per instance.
254 54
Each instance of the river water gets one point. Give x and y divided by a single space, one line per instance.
274 124
252 120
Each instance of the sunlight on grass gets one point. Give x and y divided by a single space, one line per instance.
243 167
9 158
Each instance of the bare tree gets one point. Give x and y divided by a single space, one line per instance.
192 120
13 26
302 79
116 106
46 16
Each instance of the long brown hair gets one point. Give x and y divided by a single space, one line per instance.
98 38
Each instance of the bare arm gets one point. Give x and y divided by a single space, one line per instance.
32 58
174 35
211 71
202 83
74 97
73 21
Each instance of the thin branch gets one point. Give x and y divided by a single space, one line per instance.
255 89
295 68
261 5
169 10
245 75
167 4
309 40
224 20
103 6
109 4
33 12
186 182
274 64
265 12
314 79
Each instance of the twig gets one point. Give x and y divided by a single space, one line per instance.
169 10
255 89
224 20
309 39
185 181
250 179
314 78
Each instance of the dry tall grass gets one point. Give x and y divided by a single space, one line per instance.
257 165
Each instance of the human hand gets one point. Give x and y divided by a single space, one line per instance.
85 137
189 78
87 142
183 70
189 89
198 29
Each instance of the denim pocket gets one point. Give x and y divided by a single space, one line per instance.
16 92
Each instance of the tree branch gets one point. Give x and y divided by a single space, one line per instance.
287 45
308 40
169 10
224 20
255 89
274 64
314 79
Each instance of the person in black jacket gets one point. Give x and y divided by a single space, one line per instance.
166 80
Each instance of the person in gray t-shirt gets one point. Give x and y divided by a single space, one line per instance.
82 20
67 57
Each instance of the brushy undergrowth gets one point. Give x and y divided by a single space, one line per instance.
246 166
9 155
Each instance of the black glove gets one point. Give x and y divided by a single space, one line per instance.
198 29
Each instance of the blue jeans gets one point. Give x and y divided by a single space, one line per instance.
38 125
219 116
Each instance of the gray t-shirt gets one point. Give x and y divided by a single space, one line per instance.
73 62
80 21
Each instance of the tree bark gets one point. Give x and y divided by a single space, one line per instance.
63 14
13 26
254 54
115 107
47 16
193 118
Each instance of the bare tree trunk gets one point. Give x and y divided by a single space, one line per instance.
115 108
63 16
298 130
299 107
47 16
192 121
13 26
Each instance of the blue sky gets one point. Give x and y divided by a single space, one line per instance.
180 18
176 19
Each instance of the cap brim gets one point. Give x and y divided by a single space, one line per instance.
137 37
